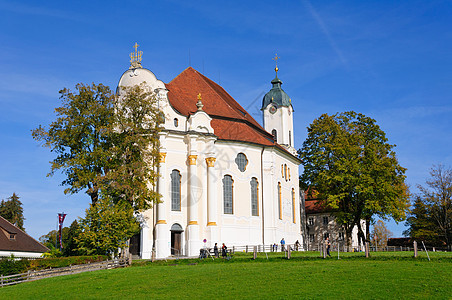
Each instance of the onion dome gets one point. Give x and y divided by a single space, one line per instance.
276 95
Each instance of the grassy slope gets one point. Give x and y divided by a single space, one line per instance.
385 276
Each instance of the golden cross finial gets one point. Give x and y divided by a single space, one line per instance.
276 62
199 104
135 57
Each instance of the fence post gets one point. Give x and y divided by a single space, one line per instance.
2 280
324 250
415 248
288 252
255 252
367 249
246 249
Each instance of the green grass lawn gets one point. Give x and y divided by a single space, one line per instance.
386 275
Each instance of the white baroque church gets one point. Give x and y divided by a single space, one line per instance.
223 177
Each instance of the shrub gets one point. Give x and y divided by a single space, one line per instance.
10 265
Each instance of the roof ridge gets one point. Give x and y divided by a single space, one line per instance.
189 67
24 232
206 80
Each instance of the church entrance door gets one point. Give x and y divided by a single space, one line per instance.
176 239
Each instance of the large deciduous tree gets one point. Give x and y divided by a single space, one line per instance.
80 137
431 216
135 148
107 144
12 211
348 161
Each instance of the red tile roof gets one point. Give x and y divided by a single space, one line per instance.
230 120
316 206
22 242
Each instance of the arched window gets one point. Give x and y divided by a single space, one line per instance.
227 194
254 196
175 190
285 172
290 138
274 133
176 122
293 206
241 161
279 201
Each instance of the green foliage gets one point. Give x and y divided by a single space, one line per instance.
59 262
106 227
107 144
380 234
80 137
431 217
54 252
69 244
135 148
12 211
10 265
349 163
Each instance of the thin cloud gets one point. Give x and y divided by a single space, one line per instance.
325 31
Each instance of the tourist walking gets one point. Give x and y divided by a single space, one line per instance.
215 250
224 251
283 245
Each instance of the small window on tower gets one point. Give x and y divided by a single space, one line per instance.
274 133
290 138
176 122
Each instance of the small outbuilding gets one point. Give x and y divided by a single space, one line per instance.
14 241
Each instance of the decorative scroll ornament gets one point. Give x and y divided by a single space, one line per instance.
135 58
162 157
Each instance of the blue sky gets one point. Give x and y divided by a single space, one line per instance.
390 60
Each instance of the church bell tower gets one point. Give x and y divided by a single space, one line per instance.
278 114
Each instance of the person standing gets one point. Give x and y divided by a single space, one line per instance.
215 250
297 245
224 250
328 246
283 245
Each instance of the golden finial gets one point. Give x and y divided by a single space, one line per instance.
199 104
276 62
135 57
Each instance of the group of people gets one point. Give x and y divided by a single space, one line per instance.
224 250
283 246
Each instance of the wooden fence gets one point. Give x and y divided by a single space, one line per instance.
40 274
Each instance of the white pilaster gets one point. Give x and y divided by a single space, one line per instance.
194 244
212 228
146 243
161 227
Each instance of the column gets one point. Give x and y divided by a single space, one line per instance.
212 228
161 227
194 244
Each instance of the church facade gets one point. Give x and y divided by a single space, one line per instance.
223 177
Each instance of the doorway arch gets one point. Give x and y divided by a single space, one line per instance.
176 239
